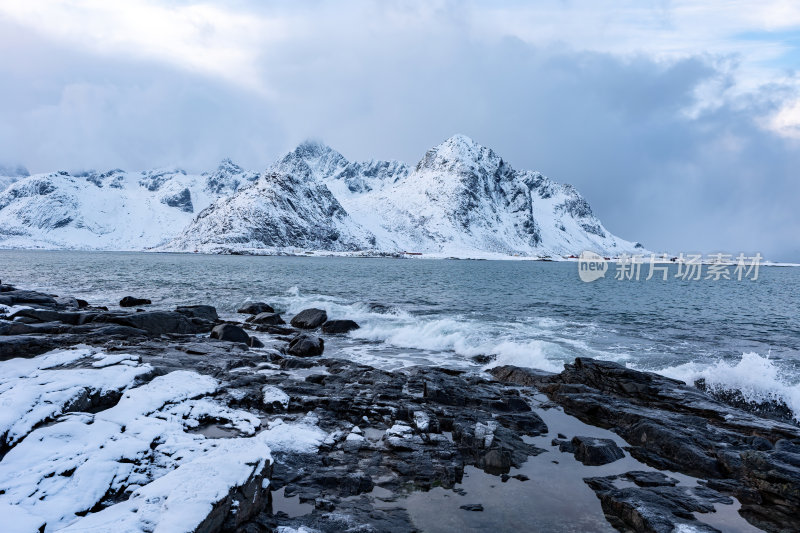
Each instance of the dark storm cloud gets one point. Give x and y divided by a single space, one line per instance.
628 132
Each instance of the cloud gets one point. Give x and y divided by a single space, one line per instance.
680 134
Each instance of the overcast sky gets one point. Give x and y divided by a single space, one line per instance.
679 121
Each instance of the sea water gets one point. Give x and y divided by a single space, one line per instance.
742 335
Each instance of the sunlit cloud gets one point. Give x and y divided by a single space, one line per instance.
200 37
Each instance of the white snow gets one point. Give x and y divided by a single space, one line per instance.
302 436
275 395
461 200
115 210
35 390
144 450
179 501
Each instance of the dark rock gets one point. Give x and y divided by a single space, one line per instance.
309 318
276 330
130 301
24 327
205 312
47 315
13 346
255 343
657 509
182 200
650 479
671 426
521 376
231 333
22 297
155 322
472 507
339 326
82 303
254 308
267 318
306 346
593 451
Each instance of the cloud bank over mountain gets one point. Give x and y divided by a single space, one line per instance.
681 122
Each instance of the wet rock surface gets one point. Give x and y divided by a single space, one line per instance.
394 433
672 426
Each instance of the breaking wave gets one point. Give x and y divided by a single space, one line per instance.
755 377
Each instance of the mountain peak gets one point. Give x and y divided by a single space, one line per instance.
459 152
312 159
227 165
314 148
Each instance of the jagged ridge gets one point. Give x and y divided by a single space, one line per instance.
461 199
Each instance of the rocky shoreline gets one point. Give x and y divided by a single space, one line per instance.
134 419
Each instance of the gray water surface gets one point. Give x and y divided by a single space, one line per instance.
449 312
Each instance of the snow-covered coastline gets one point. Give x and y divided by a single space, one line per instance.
140 421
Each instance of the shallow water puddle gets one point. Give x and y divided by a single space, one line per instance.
555 498
289 505
216 431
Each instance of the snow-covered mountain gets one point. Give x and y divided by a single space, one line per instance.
461 200
113 210
281 212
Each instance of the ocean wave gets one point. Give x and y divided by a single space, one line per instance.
757 378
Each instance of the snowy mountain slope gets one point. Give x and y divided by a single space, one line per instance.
112 210
321 162
279 213
461 199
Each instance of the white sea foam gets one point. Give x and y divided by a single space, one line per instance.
757 377
394 338
450 340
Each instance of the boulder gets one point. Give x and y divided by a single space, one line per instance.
206 312
130 301
309 318
339 326
230 332
267 319
254 308
306 346
255 343
592 451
